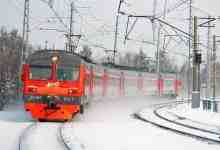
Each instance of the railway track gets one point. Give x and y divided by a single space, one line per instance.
177 127
28 133
182 124
62 139
24 134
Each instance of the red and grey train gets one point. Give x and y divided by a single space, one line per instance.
54 85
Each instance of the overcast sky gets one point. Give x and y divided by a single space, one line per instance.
95 20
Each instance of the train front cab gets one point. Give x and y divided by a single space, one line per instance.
53 100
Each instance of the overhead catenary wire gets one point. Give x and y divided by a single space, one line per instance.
173 8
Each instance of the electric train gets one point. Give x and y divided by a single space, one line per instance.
54 85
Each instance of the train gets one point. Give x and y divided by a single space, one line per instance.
54 85
58 84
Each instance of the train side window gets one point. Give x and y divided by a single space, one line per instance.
67 73
75 73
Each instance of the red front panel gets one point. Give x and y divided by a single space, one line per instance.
61 113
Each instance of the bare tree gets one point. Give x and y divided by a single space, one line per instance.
10 46
166 64
86 52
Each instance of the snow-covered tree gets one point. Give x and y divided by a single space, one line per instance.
10 47
86 52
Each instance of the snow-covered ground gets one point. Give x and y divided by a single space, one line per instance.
206 119
43 136
163 117
13 120
108 124
200 115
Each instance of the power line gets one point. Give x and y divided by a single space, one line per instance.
169 10
56 14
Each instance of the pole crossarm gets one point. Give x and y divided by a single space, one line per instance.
177 5
152 18
119 6
109 51
53 29
207 22
172 26
132 27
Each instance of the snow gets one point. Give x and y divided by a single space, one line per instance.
150 116
194 117
108 124
208 117
43 136
13 120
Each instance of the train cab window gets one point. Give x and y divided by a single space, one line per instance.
40 72
67 73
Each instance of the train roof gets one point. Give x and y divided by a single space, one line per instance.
43 57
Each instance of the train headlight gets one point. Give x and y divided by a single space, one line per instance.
55 59
49 97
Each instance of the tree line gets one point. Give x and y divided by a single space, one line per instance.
10 46
140 61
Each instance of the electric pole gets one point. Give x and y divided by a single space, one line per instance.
208 59
71 28
194 53
159 77
214 66
25 38
197 59
46 42
158 58
116 30
189 55
153 21
116 38
25 32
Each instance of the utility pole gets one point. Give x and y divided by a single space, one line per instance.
46 42
25 32
116 30
153 21
165 9
158 58
189 55
159 77
159 44
116 38
207 24
71 28
214 66
196 67
208 59
194 53
25 38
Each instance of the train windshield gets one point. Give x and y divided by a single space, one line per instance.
38 72
67 73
